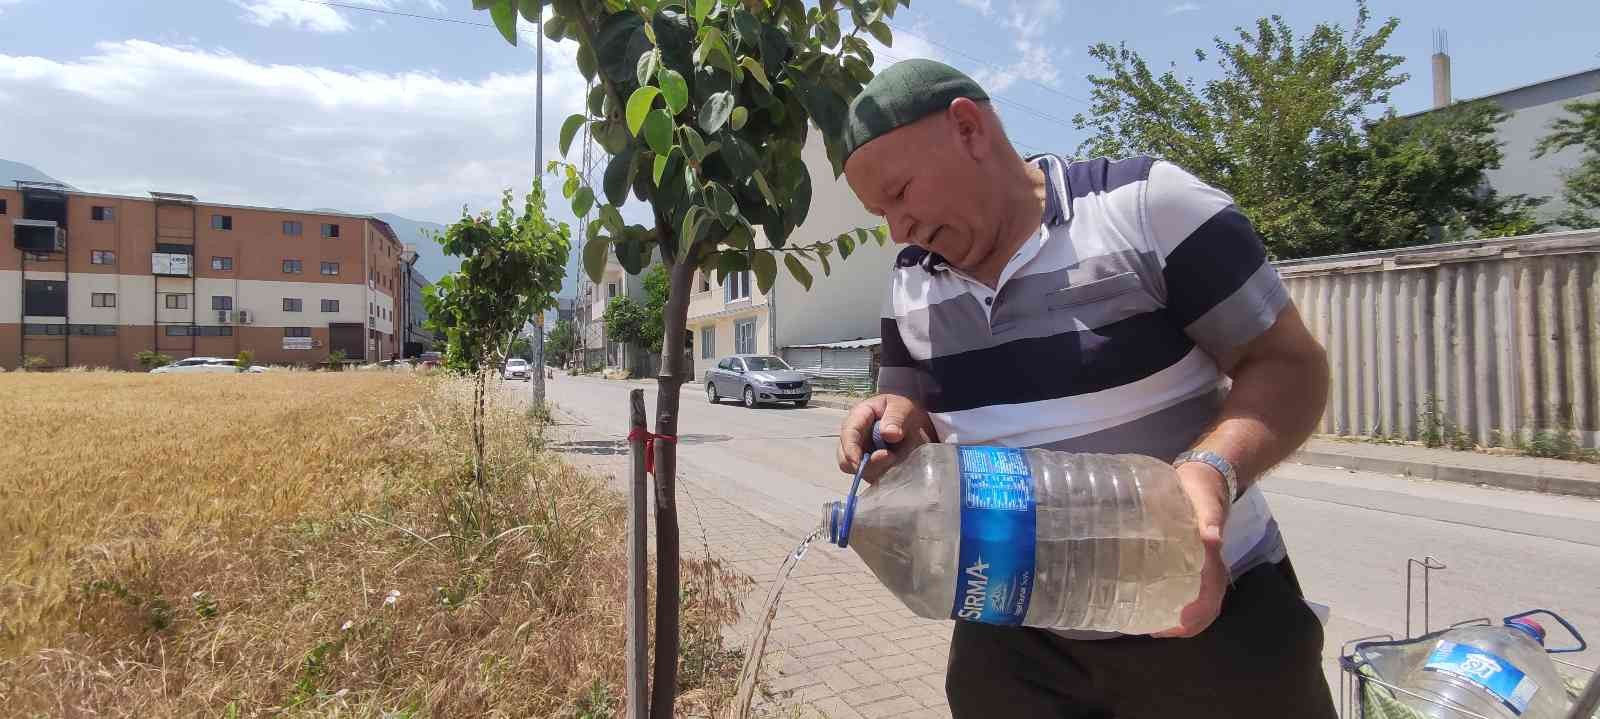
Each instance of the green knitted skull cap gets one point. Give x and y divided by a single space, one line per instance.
903 93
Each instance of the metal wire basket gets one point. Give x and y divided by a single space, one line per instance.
1368 664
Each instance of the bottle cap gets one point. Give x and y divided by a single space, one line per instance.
1529 627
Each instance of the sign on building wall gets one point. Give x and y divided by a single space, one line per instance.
163 263
297 343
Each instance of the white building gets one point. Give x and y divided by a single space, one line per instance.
844 307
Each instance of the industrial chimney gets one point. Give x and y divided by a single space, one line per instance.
1441 68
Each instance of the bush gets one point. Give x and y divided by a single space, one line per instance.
151 359
336 360
33 363
244 359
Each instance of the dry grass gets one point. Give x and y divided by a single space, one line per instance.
298 544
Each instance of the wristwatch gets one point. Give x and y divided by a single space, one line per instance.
1215 461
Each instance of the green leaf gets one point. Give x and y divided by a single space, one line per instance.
674 89
594 258
660 166
739 155
555 28
504 13
754 67
611 219
691 228
532 10
824 106
766 269
766 191
645 69
582 201
858 69
822 256
720 201
619 175
847 244
639 104
880 31
801 274
696 145
569 130
650 31
740 236
881 234
747 28
658 131
715 112
586 62
700 9
738 118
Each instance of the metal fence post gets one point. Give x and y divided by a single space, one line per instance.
637 698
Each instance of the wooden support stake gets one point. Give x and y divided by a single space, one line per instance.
638 700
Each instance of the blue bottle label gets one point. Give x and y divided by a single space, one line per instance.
1487 670
997 534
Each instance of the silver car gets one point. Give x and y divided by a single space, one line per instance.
755 380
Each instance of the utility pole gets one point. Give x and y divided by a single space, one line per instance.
537 381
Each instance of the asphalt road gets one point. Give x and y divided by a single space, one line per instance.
1349 533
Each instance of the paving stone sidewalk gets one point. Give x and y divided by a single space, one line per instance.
841 645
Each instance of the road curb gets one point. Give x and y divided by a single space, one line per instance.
1526 481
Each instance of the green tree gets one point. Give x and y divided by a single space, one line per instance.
511 269
1282 130
522 347
151 359
561 343
244 359
1581 185
704 107
626 321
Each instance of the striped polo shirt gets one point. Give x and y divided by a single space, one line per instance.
1101 333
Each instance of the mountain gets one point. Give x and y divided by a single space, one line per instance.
432 262
12 171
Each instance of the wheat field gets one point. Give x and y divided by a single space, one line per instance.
302 544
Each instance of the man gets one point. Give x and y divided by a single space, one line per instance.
1116 306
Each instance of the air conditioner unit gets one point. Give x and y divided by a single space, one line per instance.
242 317
222 317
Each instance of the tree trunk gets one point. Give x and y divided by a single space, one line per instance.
668 381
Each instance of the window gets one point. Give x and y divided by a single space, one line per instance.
103 299
330 305
372 309
209 331
297 332
330 268
95 330
99 213
2 205
611 290
174 249
708 342
744 337
177 330
736 286
705 282
221 302
222 222
43 330
177 302
329 230
223 264
291 304
291 227
291 267
102 257
44 298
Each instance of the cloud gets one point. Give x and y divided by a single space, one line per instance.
984 7
295 14
135 116
1029 21
1183 7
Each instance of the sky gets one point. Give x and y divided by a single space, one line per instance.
296 103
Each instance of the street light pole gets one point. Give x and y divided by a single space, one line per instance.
537 381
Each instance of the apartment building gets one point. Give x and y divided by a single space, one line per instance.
92 279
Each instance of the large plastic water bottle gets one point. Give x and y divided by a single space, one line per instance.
1028 537
1500 672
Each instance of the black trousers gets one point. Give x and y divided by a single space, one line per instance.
1261 658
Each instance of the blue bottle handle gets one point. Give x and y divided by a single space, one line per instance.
1582 645
855 484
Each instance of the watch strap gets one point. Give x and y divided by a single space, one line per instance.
1217 462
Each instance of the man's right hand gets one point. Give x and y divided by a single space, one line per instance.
903 425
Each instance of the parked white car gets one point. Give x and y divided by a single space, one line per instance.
516 368
214 365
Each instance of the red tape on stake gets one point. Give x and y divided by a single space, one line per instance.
649 446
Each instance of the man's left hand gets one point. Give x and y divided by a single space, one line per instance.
1208 493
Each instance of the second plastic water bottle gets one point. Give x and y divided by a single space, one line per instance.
1029 537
